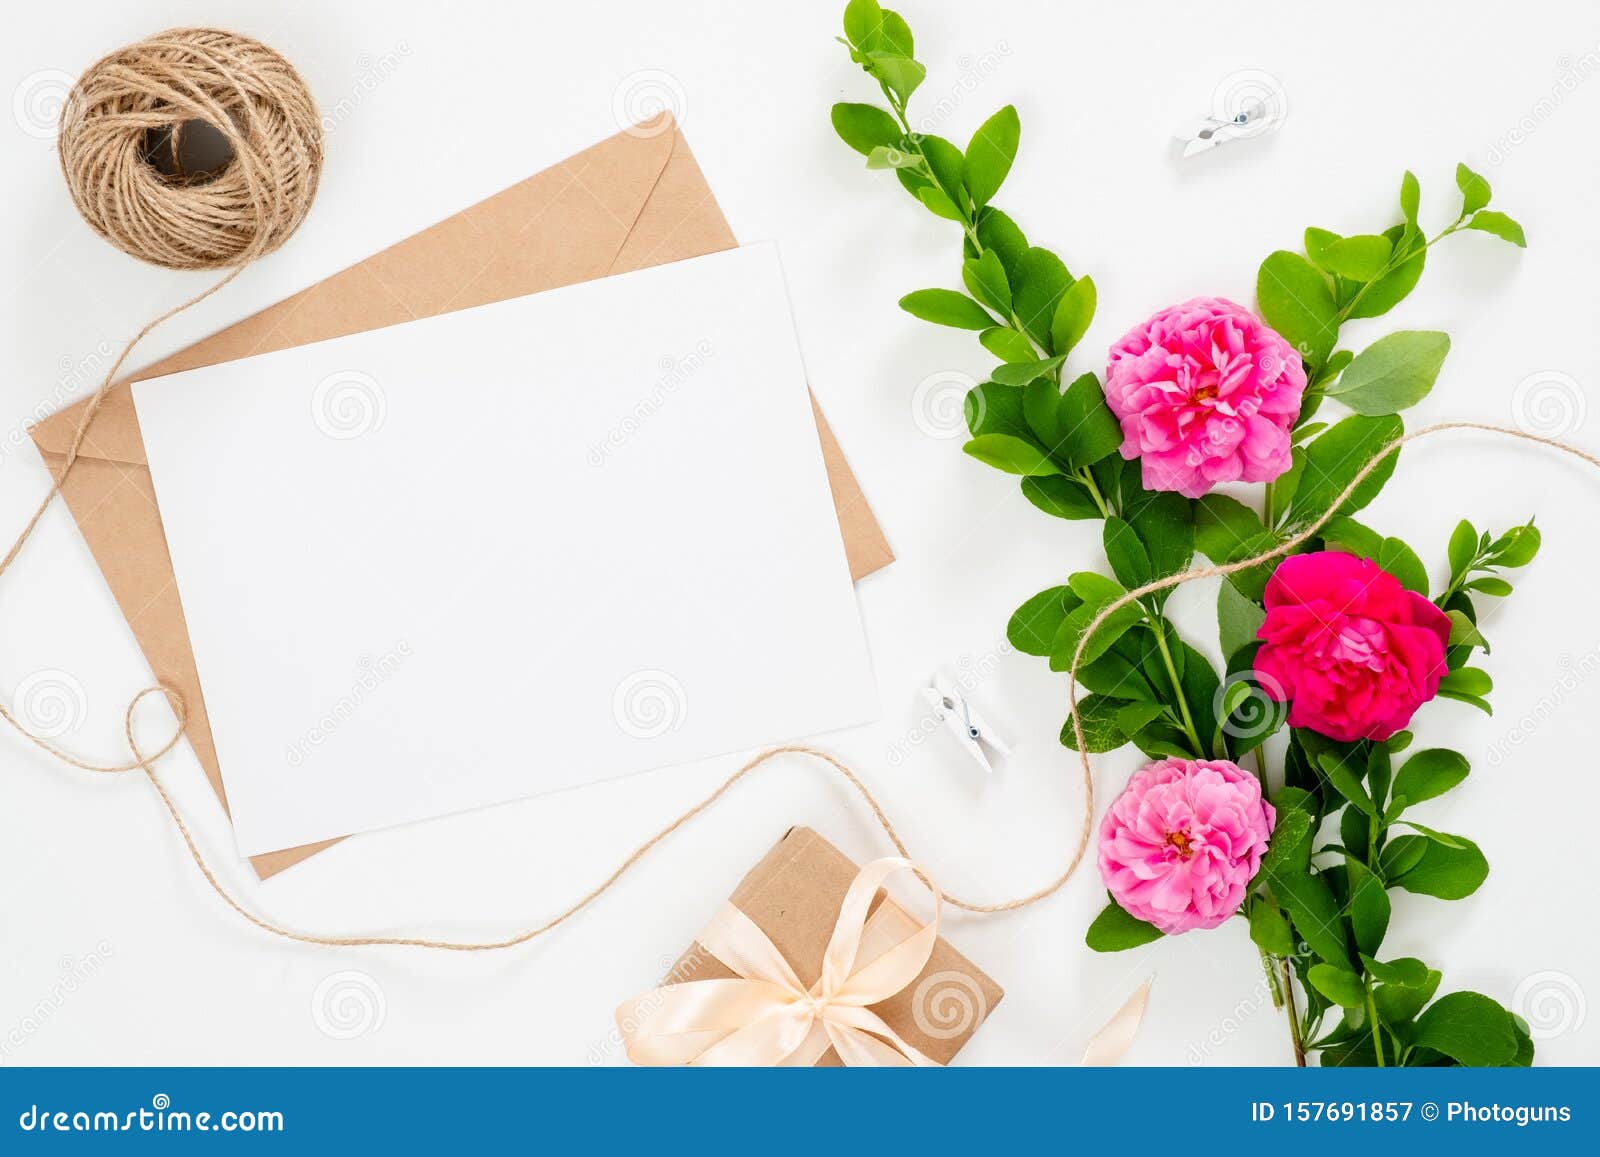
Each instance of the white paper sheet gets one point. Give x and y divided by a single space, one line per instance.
508 550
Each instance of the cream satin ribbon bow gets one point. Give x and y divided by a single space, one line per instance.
766 1016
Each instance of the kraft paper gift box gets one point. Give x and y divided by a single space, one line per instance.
793 895
634 200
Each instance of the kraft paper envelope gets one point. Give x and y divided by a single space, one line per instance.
635 200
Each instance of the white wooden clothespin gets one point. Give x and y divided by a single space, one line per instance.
1254 117
974 735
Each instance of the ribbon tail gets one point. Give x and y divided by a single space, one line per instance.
1108 1045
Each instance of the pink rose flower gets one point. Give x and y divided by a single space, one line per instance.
1182 842
1352 651
1206 393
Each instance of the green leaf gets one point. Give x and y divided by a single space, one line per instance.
1464 632
1060 496
1358 258
946 307
985 279
1392 373
1114 930
1008 345
1468 1027
935 200
1466 681
1489 585
900 74
1354 537
989 155
1073 314
1336 766
1313 908
1401 855
1410 197
1428 774
1224 527
1401 561
1022 373
865 127
1164 522
1368 906
894 35
1012 455
1097 592
1516 547
1398 1003
1129 560
1339 985
1393 287
1463 547
1337 456
1089 431
1041 406
1099 717
1445 872
892 157
1037 284
1295 300
946 164
1289 849
1499 225
1269 928
992 408
862 19
1000 233
1036 621
1118 672
1474 190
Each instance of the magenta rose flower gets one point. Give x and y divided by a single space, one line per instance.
1206 393
1182 842
1351 650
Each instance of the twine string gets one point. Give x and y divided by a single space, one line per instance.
146 761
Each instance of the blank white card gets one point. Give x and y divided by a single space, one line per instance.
508 550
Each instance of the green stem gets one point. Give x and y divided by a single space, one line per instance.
1391 266
1377 1026
1094 491
1158 625
1295 1036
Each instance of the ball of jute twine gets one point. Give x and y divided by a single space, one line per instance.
150 91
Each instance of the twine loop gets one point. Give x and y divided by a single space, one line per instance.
140 99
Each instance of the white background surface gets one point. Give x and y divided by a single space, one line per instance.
445 104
